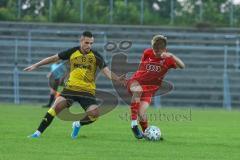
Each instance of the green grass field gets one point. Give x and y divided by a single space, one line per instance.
196 134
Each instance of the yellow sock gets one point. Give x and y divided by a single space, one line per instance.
52 112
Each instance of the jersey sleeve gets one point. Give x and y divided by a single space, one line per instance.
65 55
101 63
172 63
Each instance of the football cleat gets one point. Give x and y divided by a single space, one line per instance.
137 133
34 135
76 128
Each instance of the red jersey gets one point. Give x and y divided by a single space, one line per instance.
152 69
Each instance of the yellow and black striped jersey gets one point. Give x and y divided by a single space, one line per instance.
82 69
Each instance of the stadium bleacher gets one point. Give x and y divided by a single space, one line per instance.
200 84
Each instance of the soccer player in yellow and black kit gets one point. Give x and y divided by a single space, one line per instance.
80 86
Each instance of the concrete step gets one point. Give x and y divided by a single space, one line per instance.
122 28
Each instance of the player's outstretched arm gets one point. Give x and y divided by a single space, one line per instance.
179 62
45 61
112 76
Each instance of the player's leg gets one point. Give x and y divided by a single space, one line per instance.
92 113
60 104
51 99
144 104
89 104
146 98
143 121
136 90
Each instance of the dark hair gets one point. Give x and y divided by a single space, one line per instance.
87 34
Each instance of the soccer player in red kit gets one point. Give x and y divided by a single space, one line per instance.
154 65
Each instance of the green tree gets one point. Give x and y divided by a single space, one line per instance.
212 15
237 15
3 3
32 11
63 11
160 12
8 10
212 12
96 11
126 13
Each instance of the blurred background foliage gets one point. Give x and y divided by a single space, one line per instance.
200 13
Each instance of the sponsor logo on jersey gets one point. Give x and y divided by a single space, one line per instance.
153 68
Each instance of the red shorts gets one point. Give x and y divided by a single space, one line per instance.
148 91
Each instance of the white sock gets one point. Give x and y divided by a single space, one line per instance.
133 123
76 123
37 132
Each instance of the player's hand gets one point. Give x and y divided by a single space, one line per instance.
30 68
122 80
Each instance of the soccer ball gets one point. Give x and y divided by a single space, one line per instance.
152 133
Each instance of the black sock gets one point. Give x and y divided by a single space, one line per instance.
45 122
86 120
51 99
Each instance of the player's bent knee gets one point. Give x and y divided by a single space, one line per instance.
93 114
136 89
60 104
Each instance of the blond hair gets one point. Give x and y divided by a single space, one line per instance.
158 38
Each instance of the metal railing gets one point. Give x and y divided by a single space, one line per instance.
237 55
157 102
59 32
226 88
16 75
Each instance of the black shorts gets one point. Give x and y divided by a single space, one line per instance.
85 99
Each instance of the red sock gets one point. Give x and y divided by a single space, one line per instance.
134 110
144 125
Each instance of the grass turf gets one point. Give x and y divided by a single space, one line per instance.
189 134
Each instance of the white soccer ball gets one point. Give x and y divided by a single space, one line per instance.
152 133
